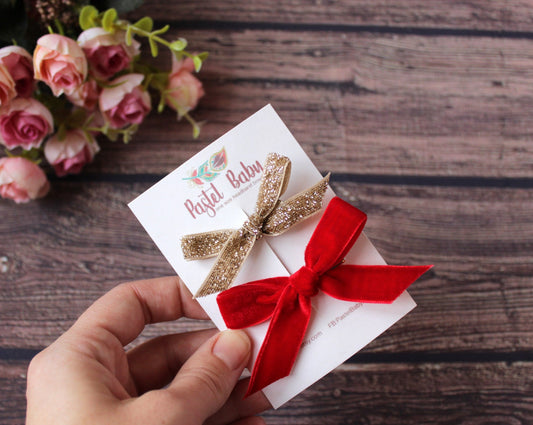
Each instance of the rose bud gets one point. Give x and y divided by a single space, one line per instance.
7 86
60 63
126 102
20 65
68 156
22 180
183 89
107 53
25 123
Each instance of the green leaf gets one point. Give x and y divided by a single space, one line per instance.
159 81
89 120
61 132
203 55
195 126
32 155
161 30
87 136
177 107
111 135
197 63
178 45
87 17
59 26
153 46
195 131
105 129
109 18
145 24
198 60
129 35
143 68
147 80
106 85
161 105
128 132
77 118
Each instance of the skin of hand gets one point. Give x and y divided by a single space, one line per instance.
86 376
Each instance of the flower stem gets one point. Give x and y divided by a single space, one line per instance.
124 26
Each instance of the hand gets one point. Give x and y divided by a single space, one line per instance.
86 377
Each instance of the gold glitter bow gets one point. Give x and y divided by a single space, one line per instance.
271 217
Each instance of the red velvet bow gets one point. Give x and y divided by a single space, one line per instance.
287 300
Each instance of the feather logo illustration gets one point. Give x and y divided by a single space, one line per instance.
210 169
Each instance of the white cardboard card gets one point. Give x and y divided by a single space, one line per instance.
217 189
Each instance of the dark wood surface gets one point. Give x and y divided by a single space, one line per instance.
422 111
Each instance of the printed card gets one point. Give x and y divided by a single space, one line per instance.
217 189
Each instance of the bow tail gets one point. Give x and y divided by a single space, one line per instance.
370 284
282 341
228 263
204 245
295 209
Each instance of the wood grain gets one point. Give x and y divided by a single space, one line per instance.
368 138
359 103
400 394
82 240
378 393
452 65
422 111
452 14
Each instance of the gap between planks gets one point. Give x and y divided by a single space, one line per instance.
365 358
235 26
380 179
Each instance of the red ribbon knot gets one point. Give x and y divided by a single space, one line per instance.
286 300
305 282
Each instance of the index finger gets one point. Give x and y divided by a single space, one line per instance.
128 308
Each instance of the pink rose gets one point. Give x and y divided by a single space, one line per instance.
19 64
7 86
25 123
126 102
107 53
60 63
68 156
183 89
86 96
22 180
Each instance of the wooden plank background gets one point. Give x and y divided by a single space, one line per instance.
423 112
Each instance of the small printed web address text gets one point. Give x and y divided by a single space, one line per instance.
331 324
340 318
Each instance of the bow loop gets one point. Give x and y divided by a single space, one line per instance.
276 175
305 282
347 222
260 299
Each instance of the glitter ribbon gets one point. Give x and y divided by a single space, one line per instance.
286 300
271 217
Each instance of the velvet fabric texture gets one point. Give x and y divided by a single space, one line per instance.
286 301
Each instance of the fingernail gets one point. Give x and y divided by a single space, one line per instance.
232 347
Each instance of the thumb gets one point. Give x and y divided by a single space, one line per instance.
208 377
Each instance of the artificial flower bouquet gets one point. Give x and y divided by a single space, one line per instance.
54 104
